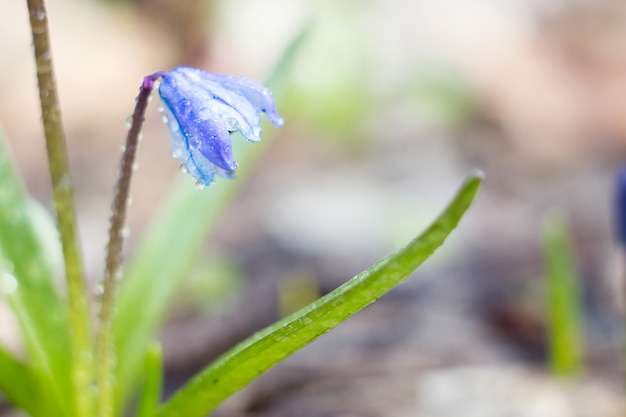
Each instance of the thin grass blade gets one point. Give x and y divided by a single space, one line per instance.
563 299
152 382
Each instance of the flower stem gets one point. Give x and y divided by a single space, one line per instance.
105 353
62 188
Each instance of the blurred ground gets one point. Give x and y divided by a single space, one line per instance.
391 104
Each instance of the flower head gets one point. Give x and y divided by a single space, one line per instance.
203 109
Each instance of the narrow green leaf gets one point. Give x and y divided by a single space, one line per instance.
18 383
169 248
26 280
235 369
563 299
153 381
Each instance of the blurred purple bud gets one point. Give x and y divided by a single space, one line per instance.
620 206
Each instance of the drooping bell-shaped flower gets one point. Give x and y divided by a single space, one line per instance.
202 110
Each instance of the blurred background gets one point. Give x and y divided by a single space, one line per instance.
388 106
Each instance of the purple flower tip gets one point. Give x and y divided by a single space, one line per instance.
620 206
202 109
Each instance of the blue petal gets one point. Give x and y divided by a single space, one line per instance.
203 109
236 108
260 96
193 162
201 127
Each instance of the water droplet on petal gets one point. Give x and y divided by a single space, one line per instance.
205 113
183 168
194 144
164 118
199 185
161 108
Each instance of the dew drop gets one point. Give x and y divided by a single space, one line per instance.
199 185
176 153
65 183
8 283
139 136
40 14
135 166
46 56
99 290
183 169
125 231
205 113
160 108
123 147
164 118
194 144
129 121
118 275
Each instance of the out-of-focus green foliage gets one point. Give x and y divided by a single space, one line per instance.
566 345
27 282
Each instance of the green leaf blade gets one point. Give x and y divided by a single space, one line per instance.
34 299
153 381
18 383
246 361
564 309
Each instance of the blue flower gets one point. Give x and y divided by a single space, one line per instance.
620 206
202 109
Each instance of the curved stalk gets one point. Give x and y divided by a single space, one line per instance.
105 347
62 188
